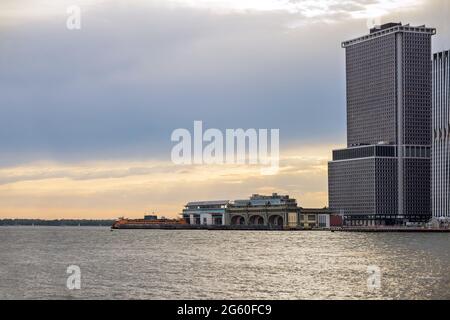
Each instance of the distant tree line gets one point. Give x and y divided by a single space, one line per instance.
57 223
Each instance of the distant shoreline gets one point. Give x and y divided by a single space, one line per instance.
56 223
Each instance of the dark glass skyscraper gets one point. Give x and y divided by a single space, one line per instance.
384 174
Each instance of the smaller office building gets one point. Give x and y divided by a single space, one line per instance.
315 218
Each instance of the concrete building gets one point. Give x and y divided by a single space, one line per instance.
206 212
441 136
274 211
384 175
314 218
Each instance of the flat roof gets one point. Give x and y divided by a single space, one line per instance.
315 210
208 203
385 31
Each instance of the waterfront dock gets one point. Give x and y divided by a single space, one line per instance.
277 228
390 230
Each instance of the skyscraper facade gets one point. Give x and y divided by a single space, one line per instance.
384 174
441 136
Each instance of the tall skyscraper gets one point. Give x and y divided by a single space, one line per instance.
441 135
384 175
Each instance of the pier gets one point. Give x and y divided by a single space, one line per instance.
390 230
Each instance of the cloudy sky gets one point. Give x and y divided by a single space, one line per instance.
86 115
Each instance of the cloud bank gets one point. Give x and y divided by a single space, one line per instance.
113 189
86 116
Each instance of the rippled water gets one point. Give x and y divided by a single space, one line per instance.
156 264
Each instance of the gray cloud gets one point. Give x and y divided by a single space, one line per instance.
117 88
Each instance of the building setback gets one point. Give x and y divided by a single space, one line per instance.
441 136
384 175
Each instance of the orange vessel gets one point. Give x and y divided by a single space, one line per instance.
124 223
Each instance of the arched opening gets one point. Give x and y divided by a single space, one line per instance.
238 220
276 221
256 220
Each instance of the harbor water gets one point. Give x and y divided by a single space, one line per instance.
159 264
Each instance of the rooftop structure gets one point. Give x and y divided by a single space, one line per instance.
386 29
260 200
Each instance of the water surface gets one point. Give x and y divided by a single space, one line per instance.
158 264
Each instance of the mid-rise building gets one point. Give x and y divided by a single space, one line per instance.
384 175
315 218
206 212
441 136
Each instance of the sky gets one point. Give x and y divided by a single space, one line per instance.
86 115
